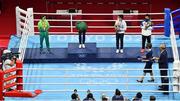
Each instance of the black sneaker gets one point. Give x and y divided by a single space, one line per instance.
141 81
160 86
161 89
166 93
49 51
151 80
41 51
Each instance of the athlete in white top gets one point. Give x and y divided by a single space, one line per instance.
120 28
146 31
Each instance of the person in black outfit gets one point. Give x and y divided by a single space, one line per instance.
148 59
104 98
89 97
75 96
118 96
163 64
152 98
138 97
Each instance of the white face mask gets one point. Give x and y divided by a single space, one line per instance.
148 50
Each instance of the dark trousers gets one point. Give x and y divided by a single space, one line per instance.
121 38
144 38
82 37
164 79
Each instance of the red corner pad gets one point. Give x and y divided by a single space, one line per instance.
16 93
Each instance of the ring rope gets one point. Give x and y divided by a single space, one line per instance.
148 91
100 33
36 13
98 84
10 78
59 69
57 76
98 20
97 26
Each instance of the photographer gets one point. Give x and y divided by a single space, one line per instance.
8 61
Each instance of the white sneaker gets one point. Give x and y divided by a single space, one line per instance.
121 50
117 50
80 46
83 46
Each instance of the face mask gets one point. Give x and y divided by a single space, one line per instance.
146 20
147 50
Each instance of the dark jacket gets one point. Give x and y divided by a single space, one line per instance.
149 63
163 60
89 99
137 99
117 98
149 56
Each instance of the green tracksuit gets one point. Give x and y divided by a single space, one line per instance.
43 27
81 26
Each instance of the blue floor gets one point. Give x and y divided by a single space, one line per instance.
62 41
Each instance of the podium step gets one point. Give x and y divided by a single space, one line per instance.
89 51
91 54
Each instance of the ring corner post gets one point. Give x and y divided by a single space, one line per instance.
167 19
31 20
19 72
18 26
1 85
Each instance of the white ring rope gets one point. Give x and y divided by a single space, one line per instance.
129 84
70 20
148 91
37 13
121 69
154 20
99 33
57 76
96 26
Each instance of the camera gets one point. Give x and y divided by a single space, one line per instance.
9 55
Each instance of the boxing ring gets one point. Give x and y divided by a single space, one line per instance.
28 28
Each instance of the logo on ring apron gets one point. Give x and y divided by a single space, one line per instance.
81 55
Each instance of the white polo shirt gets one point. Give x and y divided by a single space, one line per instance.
146 31
121 26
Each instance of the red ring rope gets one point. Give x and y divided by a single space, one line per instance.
18 91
